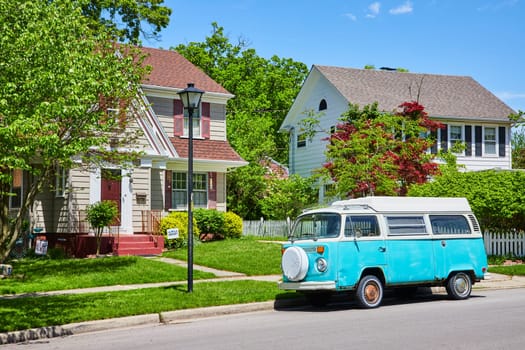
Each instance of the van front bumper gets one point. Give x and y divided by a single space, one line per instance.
330 285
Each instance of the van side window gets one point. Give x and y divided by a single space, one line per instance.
363 226
449 224
406 225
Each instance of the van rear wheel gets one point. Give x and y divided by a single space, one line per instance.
459 286
369 292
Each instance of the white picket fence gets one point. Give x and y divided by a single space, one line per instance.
266 228
500 244
508 243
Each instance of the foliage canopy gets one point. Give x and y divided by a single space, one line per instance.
376 153
496 197
55 98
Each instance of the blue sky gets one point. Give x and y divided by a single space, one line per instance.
483 39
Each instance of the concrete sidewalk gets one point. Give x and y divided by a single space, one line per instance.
492 281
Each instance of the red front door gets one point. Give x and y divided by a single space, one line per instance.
111 187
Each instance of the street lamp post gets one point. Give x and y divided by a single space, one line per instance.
190 97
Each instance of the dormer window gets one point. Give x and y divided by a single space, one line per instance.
322 105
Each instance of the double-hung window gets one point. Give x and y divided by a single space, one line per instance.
456 134
196 121
489 140
180 190
301 140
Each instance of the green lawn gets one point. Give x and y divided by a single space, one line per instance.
247 255
41 275
25 313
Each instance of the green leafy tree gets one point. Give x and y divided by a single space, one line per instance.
100 215
128 19
288 197
496 197
246 187
54 98
518 141
372 152
264 90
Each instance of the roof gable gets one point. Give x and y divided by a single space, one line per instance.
171 70
442 96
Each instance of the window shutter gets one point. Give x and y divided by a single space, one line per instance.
178 119
444 138
502 140
468 140
212 190
168 189
205 120
478 139
434 147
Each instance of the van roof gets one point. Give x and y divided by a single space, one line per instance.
405 204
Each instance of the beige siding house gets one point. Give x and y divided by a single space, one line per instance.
471 113
157 183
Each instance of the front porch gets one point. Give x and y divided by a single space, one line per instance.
82 243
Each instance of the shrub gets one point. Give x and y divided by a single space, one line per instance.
209 221
100 215
232 225
177 220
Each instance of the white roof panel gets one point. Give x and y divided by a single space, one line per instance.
407 204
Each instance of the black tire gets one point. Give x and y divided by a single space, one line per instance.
318 299
459 286
369 293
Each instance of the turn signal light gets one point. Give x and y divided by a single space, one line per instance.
319 249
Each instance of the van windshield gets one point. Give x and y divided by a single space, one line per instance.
318 225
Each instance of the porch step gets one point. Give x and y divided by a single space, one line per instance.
138 244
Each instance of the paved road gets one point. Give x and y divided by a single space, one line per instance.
490 319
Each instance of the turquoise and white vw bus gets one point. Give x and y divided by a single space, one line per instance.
368 244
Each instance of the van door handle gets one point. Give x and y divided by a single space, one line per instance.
443 243
382 249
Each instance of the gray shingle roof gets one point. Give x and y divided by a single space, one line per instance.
443 96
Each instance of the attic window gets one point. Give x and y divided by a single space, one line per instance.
322 105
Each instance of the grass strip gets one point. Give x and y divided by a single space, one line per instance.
25 313
246 255
511 270
41 275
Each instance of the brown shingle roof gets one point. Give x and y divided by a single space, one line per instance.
441 95
171 69
206 149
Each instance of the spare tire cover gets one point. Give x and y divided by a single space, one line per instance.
294 263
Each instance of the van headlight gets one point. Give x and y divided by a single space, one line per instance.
321 264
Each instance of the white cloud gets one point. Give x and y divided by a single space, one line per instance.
351 16
402 9
373 9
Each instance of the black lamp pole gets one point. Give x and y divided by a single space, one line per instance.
190 97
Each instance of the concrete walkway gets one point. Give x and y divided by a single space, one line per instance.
492 281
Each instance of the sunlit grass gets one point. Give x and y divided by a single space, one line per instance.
39 275
246 255
25 313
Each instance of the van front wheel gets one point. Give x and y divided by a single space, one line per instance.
459 286
369 292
